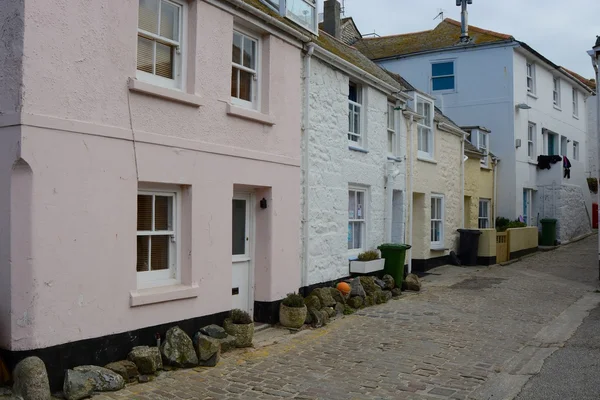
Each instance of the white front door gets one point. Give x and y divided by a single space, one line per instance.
241 252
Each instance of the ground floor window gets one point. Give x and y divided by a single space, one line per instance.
437 221
356 219
156 237
484 213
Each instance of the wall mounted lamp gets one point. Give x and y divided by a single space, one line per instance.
523 106
263 203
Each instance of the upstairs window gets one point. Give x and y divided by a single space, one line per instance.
391 129
575 103
483 146
244 70
354 114
556 92
302 12
531 78
442 76
531 133
576 151
159 42
425 128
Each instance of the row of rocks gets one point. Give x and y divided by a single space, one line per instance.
177 351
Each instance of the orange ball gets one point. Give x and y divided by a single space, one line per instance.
344 288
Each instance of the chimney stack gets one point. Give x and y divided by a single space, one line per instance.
331 18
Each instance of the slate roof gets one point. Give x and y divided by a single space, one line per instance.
445 35
591 83
470 148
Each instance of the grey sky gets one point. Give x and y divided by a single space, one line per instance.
561 30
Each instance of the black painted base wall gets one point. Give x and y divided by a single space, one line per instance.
267 311
486 260
305 290
103 350
521 253
430 263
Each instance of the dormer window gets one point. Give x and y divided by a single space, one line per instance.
302 12
480 139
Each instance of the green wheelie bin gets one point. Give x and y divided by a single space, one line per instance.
548 231
394 255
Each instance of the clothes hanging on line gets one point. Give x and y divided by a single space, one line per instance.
567 167
544 162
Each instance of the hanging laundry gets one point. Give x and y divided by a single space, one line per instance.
544 162
567 167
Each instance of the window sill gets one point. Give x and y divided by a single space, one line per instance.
164 93
557 108
575 116
392 158
250 115
485 167
359 149
162 294
427 160
532 95
532 162
438 248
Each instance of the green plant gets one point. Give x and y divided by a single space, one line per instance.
502 224
368 255
593 184
293 300
240 317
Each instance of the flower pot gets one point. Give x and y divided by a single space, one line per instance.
366 267
243 332
292 317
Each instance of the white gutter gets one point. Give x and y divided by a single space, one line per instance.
352 69
451 129
411 120
305 161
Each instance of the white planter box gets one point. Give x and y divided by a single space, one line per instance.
366 267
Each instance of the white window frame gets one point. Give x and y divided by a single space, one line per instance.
256 81
530 72
563 146
576 150
281 7
556 92
437 245
487 220
575 103
453 76
483 145
364 218
391 129
170 276
428 130
355 108
179 59
531 136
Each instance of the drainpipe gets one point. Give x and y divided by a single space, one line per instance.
495 192
462 178
305 160
410 193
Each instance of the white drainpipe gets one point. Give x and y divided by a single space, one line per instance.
462 178
495 192
410 192
306 158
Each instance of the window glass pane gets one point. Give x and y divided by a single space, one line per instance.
445 83
239 227
164 60
301 12
358 235
390 142
360 197
246 85
350 236
145 54
433 209
159 253
427 114
420 106
163 213
169 21
356 121
351 205
148 15
446 68
234 82
353 92
236 50
249 53
144 212
143 262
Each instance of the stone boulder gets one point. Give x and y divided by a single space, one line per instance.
127 369
214 331
369 300
412 282
227 343
31 380
388 295
319 318
77 385
356 288
147 359
208 350
178 350
330 311
104 379
313 302
379 297
380 283
348 310
339 308
356 302
324 296
396 292
390 283
337 296
368 283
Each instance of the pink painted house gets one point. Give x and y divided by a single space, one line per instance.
149 172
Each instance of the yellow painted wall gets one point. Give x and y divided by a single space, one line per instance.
443 176
479 184
487 243
522 238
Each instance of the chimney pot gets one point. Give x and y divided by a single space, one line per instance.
331 18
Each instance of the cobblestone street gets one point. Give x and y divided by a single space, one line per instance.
471 333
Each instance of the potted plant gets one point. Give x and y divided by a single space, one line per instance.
292 311
240 325
367 262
